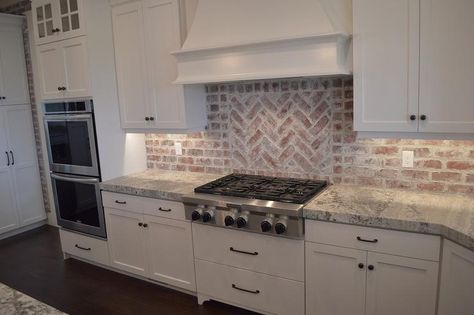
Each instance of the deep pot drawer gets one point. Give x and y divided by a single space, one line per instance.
406 244
85 247
149 206
271 255
248 289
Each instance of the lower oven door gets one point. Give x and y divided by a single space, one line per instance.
79 204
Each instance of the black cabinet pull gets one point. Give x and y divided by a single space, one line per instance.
140 224
367 241
2 97
413 117
245 290
55 30
145 225
121 202
243 252
13 159
361 265
59 88
164 210
8 158
423 117
83 248
371 267
147 118
152 118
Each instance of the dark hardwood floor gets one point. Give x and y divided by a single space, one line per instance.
32 263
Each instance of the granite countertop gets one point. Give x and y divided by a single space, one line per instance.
169 185
448 215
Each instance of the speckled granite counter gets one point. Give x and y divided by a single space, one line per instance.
170 185
448 215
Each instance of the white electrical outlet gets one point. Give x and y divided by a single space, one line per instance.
178 148
408 158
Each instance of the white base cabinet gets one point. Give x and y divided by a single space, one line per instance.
345 279
158 246
457 280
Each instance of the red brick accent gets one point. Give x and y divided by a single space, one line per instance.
436 187
456 165
446 177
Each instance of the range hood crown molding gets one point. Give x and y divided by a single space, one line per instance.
276 50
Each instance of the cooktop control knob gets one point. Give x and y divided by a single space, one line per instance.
208 216
266 225
197 213
241 221
229 220
280 227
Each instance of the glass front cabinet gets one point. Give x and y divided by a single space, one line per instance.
56 20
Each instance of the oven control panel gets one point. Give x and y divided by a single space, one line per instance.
244 220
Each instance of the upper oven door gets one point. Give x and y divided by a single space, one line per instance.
71 144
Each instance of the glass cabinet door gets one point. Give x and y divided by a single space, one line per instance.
44 17
69 13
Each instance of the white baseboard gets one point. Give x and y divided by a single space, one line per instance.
23 229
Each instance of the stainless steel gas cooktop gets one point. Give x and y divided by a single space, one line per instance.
269 205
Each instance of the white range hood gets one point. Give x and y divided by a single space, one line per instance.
233 40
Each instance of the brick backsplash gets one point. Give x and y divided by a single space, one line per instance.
304 128
19 8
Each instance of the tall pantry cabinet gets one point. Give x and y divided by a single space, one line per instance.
20 187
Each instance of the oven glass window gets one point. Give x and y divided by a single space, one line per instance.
77 202
70 143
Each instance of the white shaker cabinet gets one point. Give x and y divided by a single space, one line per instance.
386 57
13 82
126 239
55 20
446 66
63 68
457 280
413 69
21 195
145 34
151 238
335 280
357 270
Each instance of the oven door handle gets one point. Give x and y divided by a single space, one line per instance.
76 179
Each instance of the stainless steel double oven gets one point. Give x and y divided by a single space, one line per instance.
74 164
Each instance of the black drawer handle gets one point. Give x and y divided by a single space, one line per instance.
164 210
13 159
121 202
245 290
367 241
83 248
8 158
243 252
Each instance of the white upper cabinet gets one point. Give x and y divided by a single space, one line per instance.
13 82
446 66
386 54
145 34
63 68
56 20
413 66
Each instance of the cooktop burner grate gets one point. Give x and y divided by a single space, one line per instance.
290 190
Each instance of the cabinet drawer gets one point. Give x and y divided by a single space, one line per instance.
85 247
407 244
268 254
149 206
260 292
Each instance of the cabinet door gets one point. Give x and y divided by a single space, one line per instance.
386 63
457 280
8 211
76 68
169 244
24 168
12 67
126 241
162 36
335 280
45 21
71 19
399 285
130 64
52 74
446 67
